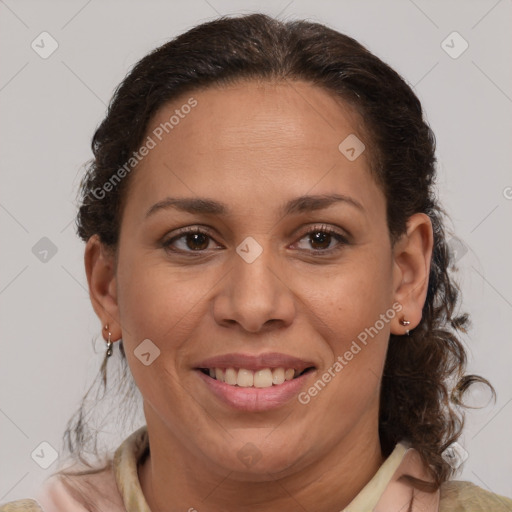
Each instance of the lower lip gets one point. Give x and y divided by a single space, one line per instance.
255 399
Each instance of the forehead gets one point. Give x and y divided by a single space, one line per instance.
256 115
256 137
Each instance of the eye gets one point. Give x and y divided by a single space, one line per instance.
192 239
321 237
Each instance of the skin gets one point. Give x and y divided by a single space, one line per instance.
254 146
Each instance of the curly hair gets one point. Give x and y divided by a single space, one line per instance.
423 380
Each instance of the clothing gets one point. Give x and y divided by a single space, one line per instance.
118 488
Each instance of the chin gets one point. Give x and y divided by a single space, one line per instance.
251 463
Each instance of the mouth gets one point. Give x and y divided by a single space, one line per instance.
255 383
261 378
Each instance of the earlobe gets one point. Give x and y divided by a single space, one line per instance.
100 269
412 256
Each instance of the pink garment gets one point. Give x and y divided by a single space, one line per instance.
56 497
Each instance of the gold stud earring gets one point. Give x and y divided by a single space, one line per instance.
405 322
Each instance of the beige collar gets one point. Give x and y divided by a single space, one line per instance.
387 492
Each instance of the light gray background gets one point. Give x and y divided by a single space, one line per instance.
50 108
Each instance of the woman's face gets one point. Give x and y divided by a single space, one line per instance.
266 288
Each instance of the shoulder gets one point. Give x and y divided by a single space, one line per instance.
27 505
462 496
94 490
54 495
73 493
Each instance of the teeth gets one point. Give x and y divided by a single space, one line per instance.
219 374
244 378
263 378
231 376
289 373
278 376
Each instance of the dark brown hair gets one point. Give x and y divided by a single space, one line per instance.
423 379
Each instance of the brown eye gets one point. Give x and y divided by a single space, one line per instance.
196 241
320 239
323 239
189 240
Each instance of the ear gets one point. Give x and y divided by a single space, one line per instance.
411 268
101 277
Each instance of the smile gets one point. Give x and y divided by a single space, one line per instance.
262 378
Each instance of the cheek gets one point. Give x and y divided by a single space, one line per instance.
350 381
157 301
354 311
158 304
353 297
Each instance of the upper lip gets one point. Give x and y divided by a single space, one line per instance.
255 362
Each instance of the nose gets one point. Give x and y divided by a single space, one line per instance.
255 296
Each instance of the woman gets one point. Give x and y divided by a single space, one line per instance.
264 245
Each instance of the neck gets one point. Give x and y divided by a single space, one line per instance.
330 483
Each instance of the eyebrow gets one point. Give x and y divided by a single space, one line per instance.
205 205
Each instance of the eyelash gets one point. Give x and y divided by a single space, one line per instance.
191 230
